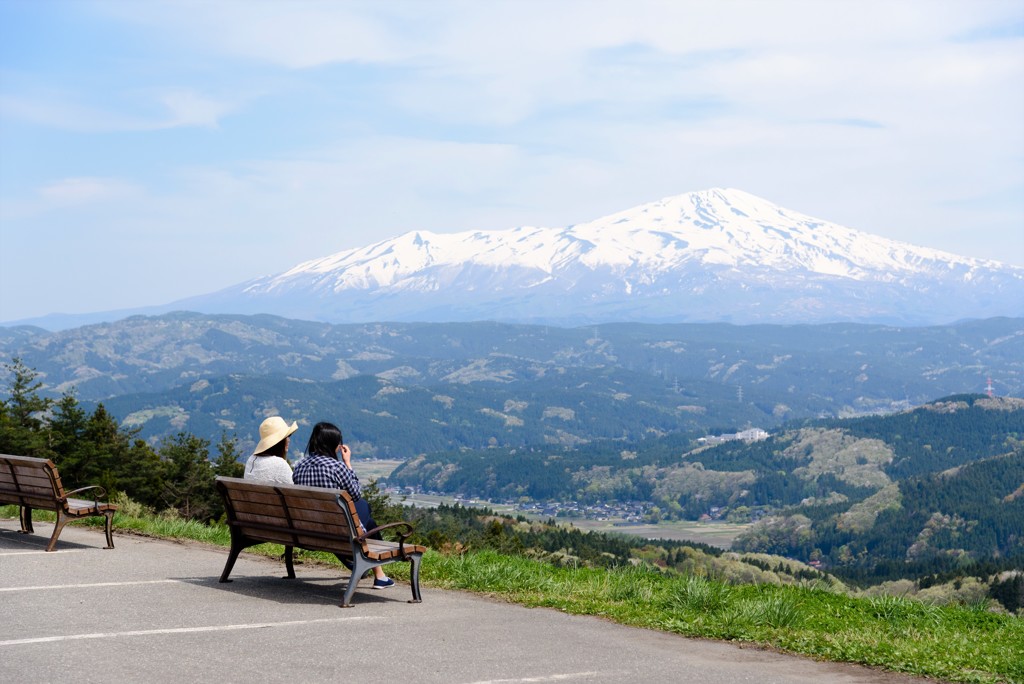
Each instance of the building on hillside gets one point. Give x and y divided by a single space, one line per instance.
748 435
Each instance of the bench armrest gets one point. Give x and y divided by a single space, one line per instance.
402 536
102 492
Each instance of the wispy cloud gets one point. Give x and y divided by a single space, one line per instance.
82 190
299 34
172 108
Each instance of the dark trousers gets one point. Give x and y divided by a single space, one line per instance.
365 517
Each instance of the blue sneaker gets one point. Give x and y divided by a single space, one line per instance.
383 583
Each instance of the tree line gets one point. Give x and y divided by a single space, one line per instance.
92 448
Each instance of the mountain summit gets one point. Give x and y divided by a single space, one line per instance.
713 255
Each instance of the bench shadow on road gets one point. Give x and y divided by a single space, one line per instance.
13 540
301 590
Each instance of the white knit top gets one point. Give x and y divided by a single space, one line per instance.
268 469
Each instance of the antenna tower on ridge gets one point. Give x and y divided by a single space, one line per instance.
989 389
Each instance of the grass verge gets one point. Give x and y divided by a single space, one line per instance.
951 642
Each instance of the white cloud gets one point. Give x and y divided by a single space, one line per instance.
500 63
85 192
172 108
298 34
85 189
188 108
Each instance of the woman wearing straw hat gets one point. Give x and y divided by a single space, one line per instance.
268 462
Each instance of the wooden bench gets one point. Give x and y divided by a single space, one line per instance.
311 518
34 483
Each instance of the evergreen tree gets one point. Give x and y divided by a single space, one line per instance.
74 450
22 415
1009 592
189 478
140 474
227 463
67 432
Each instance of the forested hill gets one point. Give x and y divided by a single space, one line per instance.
414 387
822 458
945 433
916 491
955 497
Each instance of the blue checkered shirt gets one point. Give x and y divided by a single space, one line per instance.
317 470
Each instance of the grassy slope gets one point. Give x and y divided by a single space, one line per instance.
956 643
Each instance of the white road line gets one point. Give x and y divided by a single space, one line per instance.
542 678
85 586
178 630
30 553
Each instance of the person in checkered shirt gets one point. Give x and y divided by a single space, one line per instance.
322 467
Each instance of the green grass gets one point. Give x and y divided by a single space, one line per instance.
950 642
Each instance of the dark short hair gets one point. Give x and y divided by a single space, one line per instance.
325 440
276 450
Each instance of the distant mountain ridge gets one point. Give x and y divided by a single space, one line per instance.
455 385
719 255
714 255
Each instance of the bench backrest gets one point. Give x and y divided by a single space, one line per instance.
32 482
309 517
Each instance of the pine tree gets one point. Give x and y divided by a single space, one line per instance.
22 415
227 463
72 450
189 478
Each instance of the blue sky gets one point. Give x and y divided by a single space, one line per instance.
151 151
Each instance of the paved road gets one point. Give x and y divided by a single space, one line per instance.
152 611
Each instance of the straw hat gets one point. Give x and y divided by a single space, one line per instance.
272 431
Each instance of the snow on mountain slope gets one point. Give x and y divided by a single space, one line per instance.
710 255
714 227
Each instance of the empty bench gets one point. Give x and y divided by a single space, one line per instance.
34 483
313 518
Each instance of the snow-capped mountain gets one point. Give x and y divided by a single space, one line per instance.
714 255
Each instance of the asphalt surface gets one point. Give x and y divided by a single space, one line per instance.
153 611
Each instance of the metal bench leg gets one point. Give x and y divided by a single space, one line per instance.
360 566
232 557
26 520
62 520
288 562
414 577
109 529
346 600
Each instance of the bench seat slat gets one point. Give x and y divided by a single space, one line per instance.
46 503
297 518
315 506
80 506
328 534
41 492
333 530
239 485
294 507
42 486
260 498
25 478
